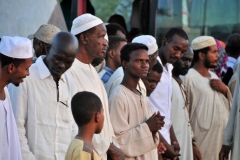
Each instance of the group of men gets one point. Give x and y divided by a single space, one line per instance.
154 105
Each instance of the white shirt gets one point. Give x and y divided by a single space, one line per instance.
231 61
45 125
160 99
9 141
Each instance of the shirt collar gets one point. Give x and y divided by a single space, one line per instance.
108 69
43 70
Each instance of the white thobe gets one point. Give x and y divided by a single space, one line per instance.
160 99
232 132
209 111
9 140
129 113
116 79
87 79
180 121
45 125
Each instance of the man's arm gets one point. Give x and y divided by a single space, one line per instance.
19 98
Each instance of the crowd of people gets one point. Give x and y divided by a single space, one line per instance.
87 94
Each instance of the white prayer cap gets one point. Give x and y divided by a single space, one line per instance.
203 42
16 47
149 41
84 22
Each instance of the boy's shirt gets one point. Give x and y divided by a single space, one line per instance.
77 151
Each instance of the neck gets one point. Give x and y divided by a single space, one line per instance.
110 64
130 82
200 68
84 57
164 62
3 83
86 133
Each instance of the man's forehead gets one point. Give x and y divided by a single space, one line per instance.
177 40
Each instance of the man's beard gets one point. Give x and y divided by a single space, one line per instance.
208 64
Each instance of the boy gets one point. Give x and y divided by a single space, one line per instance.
87 112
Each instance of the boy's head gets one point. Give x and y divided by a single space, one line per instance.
87 110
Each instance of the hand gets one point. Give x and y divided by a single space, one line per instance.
218 85
196 153
115 153
155 122
161 148
170 153
176 146
224 152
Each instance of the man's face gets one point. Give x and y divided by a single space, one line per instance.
58 60
151 81
174 49
117 59
97 44
211 58
182 65
138 64
153 59
21 72
40 47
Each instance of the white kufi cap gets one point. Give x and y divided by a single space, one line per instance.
84 22
203 42
149 41
16 47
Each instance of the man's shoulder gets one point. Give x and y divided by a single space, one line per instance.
119 93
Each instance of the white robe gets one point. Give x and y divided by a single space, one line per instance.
116 79
232 132
209 111
9 140
180 121
128 113
87 79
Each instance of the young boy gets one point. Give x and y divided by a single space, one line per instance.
87 112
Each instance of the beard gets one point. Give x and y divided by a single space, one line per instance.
208 64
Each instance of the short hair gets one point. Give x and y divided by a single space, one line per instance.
89 31
157 67
130 47
176 31
113 42
112 29
233 44
195 55
84 106
5 60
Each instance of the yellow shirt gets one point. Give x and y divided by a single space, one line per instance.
76 151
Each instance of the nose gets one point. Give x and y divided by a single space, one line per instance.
61 65
105 42
145 64
28 73
179 54
154 85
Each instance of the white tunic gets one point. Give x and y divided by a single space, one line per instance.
129 113
45 125
160 100
180 121
9 140
87 79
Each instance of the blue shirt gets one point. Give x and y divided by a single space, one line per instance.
105 74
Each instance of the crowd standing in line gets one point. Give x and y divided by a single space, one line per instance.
139 102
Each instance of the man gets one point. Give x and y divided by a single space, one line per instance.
112 58
174 44
231 140
43 38
179 110
114 29
117 76
15 59
42 103
90 32
136 133
209 98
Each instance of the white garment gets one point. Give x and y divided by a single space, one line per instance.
129 113
160 100
116 79
180 121
87 79
231 61
45 125
9 140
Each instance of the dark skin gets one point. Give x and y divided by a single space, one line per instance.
181 67
12 74
40 47
206 62
224 153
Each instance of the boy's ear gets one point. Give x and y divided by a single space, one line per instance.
97 117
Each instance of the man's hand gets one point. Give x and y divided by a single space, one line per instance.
115 153
219 86
196 153
161 148
176 146
224 152
155 122
170 153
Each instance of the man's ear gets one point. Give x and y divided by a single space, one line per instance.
124 64
164 41
83 38
201 56
111 54
11 68
97 117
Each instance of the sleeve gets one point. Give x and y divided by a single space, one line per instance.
19 100
133 141
101 144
